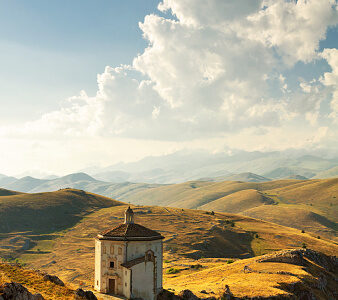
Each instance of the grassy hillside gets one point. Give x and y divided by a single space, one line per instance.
246 176
4 192
293 274
238 201
31 219
312 200
300 218
34 282
48 212
190 234
330 173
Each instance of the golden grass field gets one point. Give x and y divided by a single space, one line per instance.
34 282
264 279
312 204
190 234
65 246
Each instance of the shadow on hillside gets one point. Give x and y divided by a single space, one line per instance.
219 241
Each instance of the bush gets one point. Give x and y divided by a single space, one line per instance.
256 236
173 271
166 261
230 261
303 231
196 267
304 246
318 237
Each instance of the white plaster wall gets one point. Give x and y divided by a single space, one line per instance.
137 249
126 283
142 281
97 283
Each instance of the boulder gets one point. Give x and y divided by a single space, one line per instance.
167 295
54 279
81 294
17 291
187 295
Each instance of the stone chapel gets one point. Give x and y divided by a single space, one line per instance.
129 260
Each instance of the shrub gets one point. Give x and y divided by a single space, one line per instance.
303 231
230 261
232 224
318 237
212 213
196 267
166 261
304 246
173 271
256 236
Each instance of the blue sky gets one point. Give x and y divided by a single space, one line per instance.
98 82
50 50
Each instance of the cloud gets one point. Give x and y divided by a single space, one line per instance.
212 70
293 28
330 79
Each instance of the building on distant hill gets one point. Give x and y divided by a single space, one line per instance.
129 260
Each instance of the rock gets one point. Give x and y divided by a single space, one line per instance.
166 295
54 279
17 291
187 295
89 295
204 292
38 296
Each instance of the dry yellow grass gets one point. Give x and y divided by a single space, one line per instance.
34 282
190 234
236 202
262 280
305 198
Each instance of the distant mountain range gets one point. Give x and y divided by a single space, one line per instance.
183 166
121 179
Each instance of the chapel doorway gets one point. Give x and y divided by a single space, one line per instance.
111 288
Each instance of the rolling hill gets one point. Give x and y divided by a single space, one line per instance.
311 200
190 234
26 218
47 212
330 173
54 232
246 176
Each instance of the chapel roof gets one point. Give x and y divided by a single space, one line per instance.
130 232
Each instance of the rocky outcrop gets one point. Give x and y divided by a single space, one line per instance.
81 294
16 291
298 257
54 279
183 295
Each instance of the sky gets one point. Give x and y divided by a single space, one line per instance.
86 82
